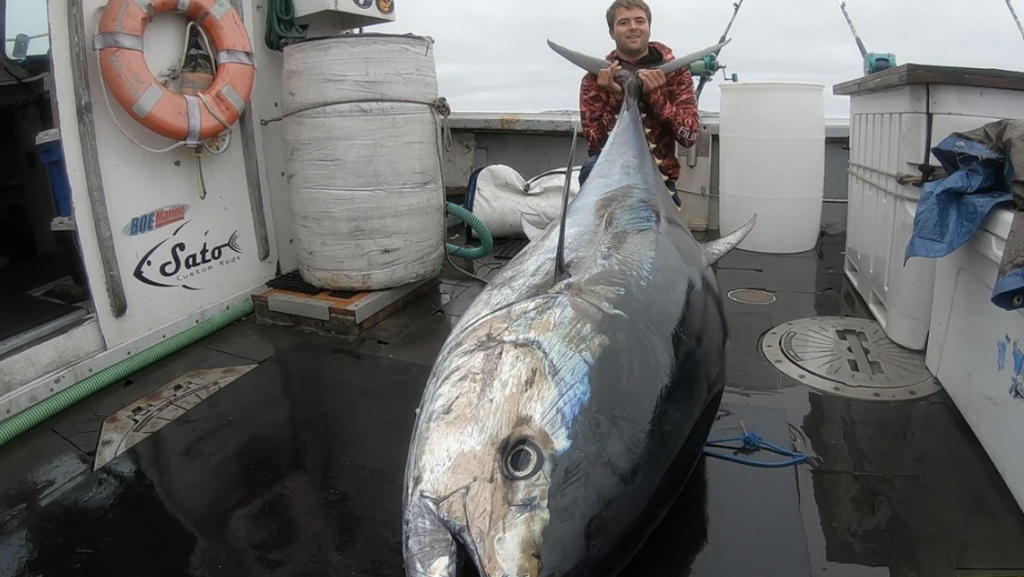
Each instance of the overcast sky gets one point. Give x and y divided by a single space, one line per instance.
501 63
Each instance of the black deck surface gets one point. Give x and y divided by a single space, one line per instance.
294 468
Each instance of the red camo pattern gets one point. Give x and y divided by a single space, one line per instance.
671 115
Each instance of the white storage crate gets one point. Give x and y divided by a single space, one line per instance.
971 349
890 113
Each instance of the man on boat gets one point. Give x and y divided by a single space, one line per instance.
669 103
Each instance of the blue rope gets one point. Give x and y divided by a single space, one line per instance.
752 442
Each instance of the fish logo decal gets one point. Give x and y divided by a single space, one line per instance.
179 264
1016 379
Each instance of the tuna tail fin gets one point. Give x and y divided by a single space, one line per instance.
716 249
594 65
677 63
588 63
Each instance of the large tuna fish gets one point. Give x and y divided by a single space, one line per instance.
570 403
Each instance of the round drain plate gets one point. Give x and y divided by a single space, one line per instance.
752 296
848 357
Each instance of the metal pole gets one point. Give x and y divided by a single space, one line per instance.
860 45
735 11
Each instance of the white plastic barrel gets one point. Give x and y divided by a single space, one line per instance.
772 163
363 160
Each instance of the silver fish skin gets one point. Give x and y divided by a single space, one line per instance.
561 419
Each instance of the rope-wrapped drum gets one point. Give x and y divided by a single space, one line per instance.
362 145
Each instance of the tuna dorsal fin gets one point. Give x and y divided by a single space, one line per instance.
716 249
561 270
677 63
588 63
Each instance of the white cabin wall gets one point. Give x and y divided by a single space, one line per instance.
135 182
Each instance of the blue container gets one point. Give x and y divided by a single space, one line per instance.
52 156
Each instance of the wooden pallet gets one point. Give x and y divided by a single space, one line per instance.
340 313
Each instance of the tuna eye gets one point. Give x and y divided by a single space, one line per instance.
522 460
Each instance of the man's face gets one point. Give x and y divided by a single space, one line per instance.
631 31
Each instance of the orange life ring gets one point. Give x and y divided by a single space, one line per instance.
181 117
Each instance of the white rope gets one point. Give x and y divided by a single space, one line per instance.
205 40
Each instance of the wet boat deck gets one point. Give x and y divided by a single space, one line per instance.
295 467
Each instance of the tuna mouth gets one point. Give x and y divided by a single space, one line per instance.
437 545
469 561
442 539
460 558
465 560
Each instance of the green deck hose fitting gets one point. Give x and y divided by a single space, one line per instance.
29 418
486 241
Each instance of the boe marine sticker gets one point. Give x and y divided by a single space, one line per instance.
364 4
184 263
155 219
385 6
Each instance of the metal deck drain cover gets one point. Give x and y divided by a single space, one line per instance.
122 430
752 296
848 357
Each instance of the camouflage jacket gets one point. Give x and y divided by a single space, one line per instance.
671 114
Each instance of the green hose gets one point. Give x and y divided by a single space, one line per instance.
281 24
15 426
486 240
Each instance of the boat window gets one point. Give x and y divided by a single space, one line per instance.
26 32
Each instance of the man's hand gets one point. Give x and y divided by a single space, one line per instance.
606 80
653 80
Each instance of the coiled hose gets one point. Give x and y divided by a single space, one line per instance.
486 240
15 426
281 24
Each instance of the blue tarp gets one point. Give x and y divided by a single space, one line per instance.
1008 292
952 209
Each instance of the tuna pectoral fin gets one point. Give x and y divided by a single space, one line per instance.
677 63
533 225
588 63
428 546
716 249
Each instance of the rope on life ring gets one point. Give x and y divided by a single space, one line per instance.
197 72
194 116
